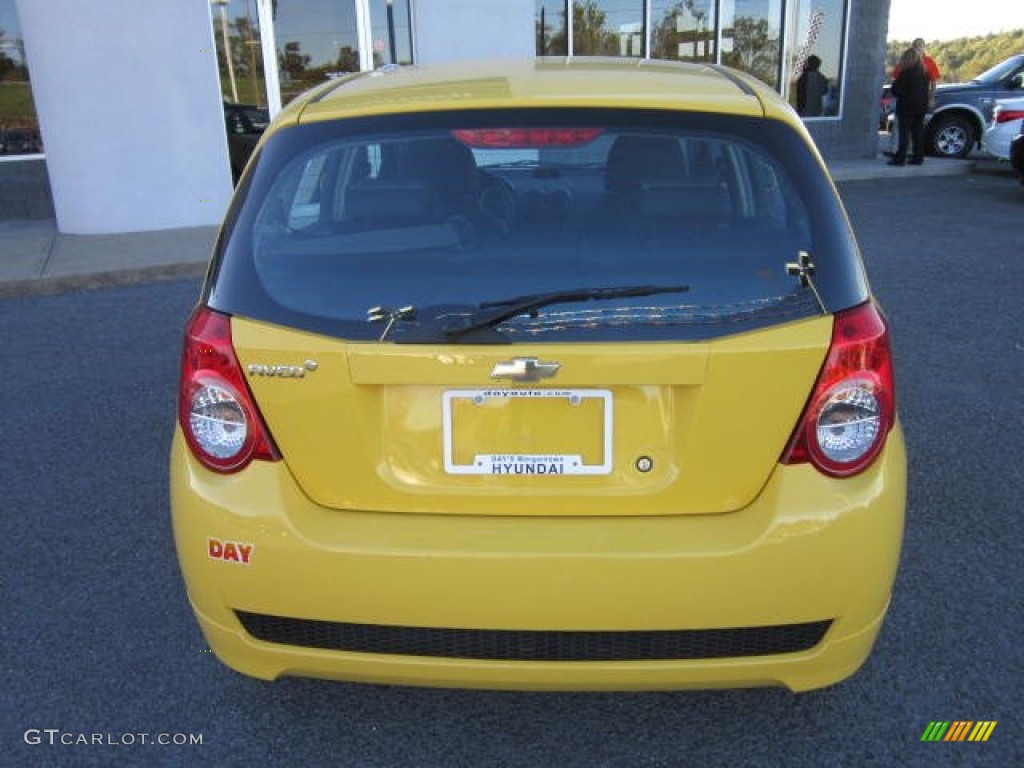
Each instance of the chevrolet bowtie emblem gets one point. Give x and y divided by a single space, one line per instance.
524 369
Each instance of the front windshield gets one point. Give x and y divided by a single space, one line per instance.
444 220
1000 71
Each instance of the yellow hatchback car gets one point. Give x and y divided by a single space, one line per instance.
552 374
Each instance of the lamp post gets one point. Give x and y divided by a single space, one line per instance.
227 46
391 31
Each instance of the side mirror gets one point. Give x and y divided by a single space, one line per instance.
1017 82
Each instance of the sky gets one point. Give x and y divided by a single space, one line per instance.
948 19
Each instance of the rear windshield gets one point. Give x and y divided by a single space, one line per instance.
599 226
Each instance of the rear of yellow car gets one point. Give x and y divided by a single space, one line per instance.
568 387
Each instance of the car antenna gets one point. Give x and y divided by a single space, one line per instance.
803 268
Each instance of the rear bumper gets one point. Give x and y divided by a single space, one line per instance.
809 549
836 658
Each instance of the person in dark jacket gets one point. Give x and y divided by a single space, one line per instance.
911 89
811 87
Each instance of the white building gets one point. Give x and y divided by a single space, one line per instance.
129 95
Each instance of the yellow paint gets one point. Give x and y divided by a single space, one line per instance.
364 431
581 82
361 523
807 548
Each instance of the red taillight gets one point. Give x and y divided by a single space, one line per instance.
216 410
527 138
853 407
1006 115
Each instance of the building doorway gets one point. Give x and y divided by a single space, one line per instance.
270 51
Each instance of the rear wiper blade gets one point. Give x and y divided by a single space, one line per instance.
492 313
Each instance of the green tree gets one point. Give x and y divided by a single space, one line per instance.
589 36
551 43
6 62
294 61
755 49
11 68
348 59
667 42
964 58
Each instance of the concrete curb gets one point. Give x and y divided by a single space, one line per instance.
864 170
37 260
49 286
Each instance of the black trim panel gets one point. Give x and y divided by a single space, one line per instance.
534 645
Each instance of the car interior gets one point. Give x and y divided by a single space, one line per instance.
447 218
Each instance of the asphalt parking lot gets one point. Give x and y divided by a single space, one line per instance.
99 639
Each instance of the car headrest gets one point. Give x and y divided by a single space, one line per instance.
445 165
634 161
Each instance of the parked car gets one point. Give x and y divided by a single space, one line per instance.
559 374
962 111
20 141
886 105
1007 118
245 124
1017 154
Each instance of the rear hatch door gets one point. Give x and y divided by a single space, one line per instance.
618 429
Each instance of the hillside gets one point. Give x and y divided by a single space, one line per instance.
966 57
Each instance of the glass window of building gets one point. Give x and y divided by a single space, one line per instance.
236 33
608 28
683 30
751 37
391 28
243 85
19 126
816 50
549 22
316 40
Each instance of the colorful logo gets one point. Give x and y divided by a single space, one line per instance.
958 730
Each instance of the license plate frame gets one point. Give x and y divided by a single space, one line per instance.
512 465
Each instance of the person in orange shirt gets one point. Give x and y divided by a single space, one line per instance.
931 70
912 91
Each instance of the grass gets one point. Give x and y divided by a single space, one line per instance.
16 105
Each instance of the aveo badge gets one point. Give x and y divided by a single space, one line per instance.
229 551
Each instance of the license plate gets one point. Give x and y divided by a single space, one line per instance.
527 431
